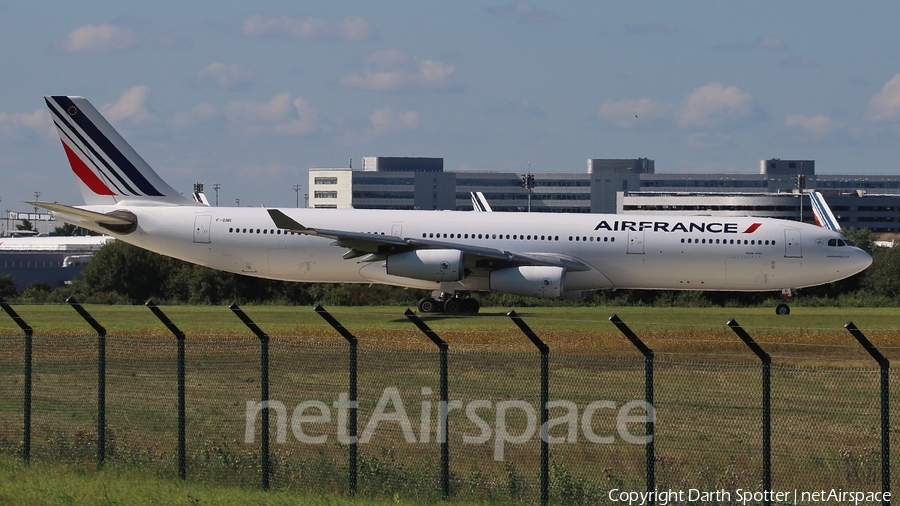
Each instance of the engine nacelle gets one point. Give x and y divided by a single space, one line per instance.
427 264
542 282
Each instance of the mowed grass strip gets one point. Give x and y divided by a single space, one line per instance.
808 333
66 484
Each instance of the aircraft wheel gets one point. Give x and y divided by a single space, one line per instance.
428 305
452 305
782 309
470 306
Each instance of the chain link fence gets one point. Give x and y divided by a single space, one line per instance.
707 418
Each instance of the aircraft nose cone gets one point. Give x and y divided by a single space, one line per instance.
862 260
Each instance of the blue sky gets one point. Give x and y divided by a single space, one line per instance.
251 95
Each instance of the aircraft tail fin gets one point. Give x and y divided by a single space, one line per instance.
109 170
479 203
824 217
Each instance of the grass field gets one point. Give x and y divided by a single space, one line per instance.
809 334
62 485
707 398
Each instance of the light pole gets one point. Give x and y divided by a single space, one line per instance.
528 183
216 187
297 191
238 202
37 197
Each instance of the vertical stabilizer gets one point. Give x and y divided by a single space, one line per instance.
108 168
824 217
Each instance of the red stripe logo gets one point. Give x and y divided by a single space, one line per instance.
752 228
85 174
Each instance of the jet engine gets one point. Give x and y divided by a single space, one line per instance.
428 264
543 282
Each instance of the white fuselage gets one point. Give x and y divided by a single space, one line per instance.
622 251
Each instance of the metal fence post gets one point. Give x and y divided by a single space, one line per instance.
648 394
179 337
352 401
545 399
29 334
443 410
885 365
101 378
264 388
766 405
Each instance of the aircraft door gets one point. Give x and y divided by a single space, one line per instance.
202 225
792 244
397 230
636 242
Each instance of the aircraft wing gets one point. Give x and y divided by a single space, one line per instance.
376 246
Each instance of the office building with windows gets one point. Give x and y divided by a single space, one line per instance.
777 190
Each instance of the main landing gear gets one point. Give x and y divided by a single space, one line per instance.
449 304
782 308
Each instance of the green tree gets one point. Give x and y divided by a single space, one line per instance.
37 292
7 287
66 230
861 237
26 225
135 273
882 279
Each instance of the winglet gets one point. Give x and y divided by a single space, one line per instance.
285 222
824 217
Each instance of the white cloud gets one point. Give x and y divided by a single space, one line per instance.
885 105
630 113
385 122
387 59
391 70
131 107
224 76
382 123
351 28
19 125
817 125
103 38
198 114
712 104
282 115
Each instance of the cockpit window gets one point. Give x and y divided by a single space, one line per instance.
837 242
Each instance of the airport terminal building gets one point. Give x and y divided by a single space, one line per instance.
614 186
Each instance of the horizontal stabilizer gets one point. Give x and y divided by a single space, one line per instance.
120 221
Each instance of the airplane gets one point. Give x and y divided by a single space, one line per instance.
452 253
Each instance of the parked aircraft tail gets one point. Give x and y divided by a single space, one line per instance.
108 168
479 203
824 217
